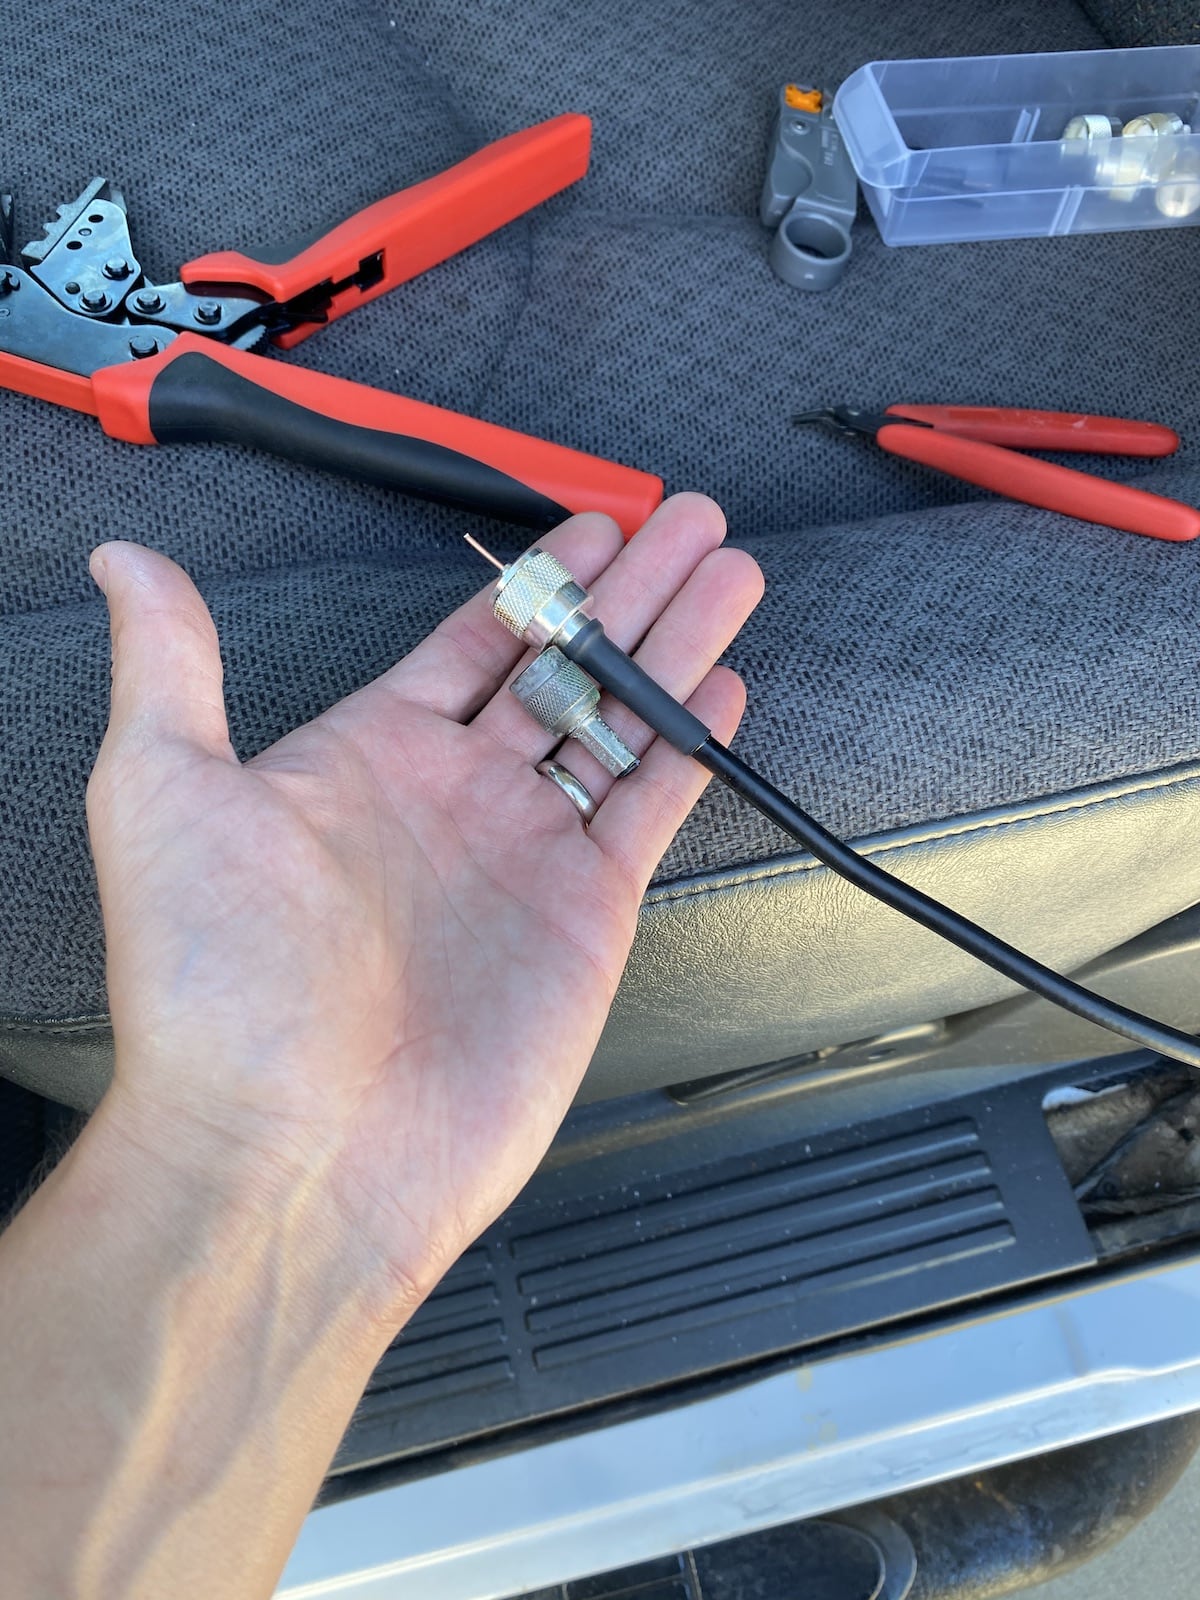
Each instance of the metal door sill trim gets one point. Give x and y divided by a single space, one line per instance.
1050 1371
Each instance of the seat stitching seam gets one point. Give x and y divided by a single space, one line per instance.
781 869
674 892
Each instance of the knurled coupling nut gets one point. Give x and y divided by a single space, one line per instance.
561 698
537 598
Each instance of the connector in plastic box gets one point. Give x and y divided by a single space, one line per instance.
1178 193
810 194
1024 146
1093 128
1130 158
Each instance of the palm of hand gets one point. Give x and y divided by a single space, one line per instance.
457 930
387 946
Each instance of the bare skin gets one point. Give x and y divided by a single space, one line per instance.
355 983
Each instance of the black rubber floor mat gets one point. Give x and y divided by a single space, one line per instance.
583 1294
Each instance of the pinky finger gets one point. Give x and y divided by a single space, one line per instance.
643 813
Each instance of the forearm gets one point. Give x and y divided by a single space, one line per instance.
183 1342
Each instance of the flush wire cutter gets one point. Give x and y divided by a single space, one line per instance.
979 445
165 363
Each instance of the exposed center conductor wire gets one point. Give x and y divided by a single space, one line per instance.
486 554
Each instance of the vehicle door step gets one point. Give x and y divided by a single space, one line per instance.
620 1274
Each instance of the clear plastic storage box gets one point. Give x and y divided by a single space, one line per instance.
973 147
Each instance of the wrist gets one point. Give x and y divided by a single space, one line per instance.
189 1364
245 1206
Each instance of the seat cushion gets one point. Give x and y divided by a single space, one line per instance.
922 653
1145 22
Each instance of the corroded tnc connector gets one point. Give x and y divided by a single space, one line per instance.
537 599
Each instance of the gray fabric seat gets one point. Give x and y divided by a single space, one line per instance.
923 655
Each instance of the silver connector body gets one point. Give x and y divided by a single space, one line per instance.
537 599
561 698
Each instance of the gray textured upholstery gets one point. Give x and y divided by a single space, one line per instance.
1145 22
920 655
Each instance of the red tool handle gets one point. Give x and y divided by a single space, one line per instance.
197 391
1041 483
1046 430
398 238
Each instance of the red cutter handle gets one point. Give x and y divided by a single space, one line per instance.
1041 483
399 238
1046 430
196 391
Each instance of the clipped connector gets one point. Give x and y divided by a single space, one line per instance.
561 698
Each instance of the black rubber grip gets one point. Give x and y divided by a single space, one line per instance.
278 255
594 651
197 400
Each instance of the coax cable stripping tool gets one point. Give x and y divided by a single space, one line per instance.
179 362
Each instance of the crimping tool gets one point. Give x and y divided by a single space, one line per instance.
81 325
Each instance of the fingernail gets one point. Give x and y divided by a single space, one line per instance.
98 567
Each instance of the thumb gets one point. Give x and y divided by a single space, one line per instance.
166 662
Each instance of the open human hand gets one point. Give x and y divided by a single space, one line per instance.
378 956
